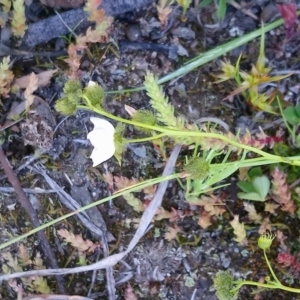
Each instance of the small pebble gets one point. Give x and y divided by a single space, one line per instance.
133 32
269 13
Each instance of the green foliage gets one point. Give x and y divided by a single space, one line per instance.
6 5
22 261
248 82
65 106
197 168
68 104
95 94
72 87
165 112
145 117
265 241
292 114
18 22
223 283
221 7
185 4
120 142
6 77
227 288
256 188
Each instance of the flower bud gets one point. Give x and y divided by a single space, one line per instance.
94 93
145 117
265 241
65 107
72 86
198 168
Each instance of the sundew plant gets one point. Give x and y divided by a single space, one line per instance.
209 145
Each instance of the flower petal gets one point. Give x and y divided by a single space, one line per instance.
102 138
102 133
98 156
103 124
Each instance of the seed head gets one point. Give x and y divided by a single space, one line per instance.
265 241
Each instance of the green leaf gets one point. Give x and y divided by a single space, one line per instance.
254 172
205 3
246 187
262 186
251 196
298 140
221 9
291 116
297 109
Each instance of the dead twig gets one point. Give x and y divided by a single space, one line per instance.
99 230
244 10
111 260
30 191
26 204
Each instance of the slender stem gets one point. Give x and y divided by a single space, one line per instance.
265 285
291 130
146 139
34 218
171 132
271 269
136 187
208 56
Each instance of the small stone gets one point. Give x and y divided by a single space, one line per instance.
133 32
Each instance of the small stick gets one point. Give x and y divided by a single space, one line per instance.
26 204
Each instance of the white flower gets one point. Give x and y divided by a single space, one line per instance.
102 138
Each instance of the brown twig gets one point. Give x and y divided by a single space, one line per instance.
26 204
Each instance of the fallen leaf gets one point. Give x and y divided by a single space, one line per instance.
265 226
270 207
31 87
43 79
204 220
252 214
172 232
238 230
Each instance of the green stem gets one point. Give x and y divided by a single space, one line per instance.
209 55
270 268
133 188
265 285
172 132
146 139
292 131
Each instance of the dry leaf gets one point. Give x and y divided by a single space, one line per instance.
149 191
43 79
211 203
130 110
265 226
171 233
270 207
162 214
252 214
24 256
164 9
204 219
243 172
108 178
124 182
129 293
238 230
31 87
77 241
133 201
